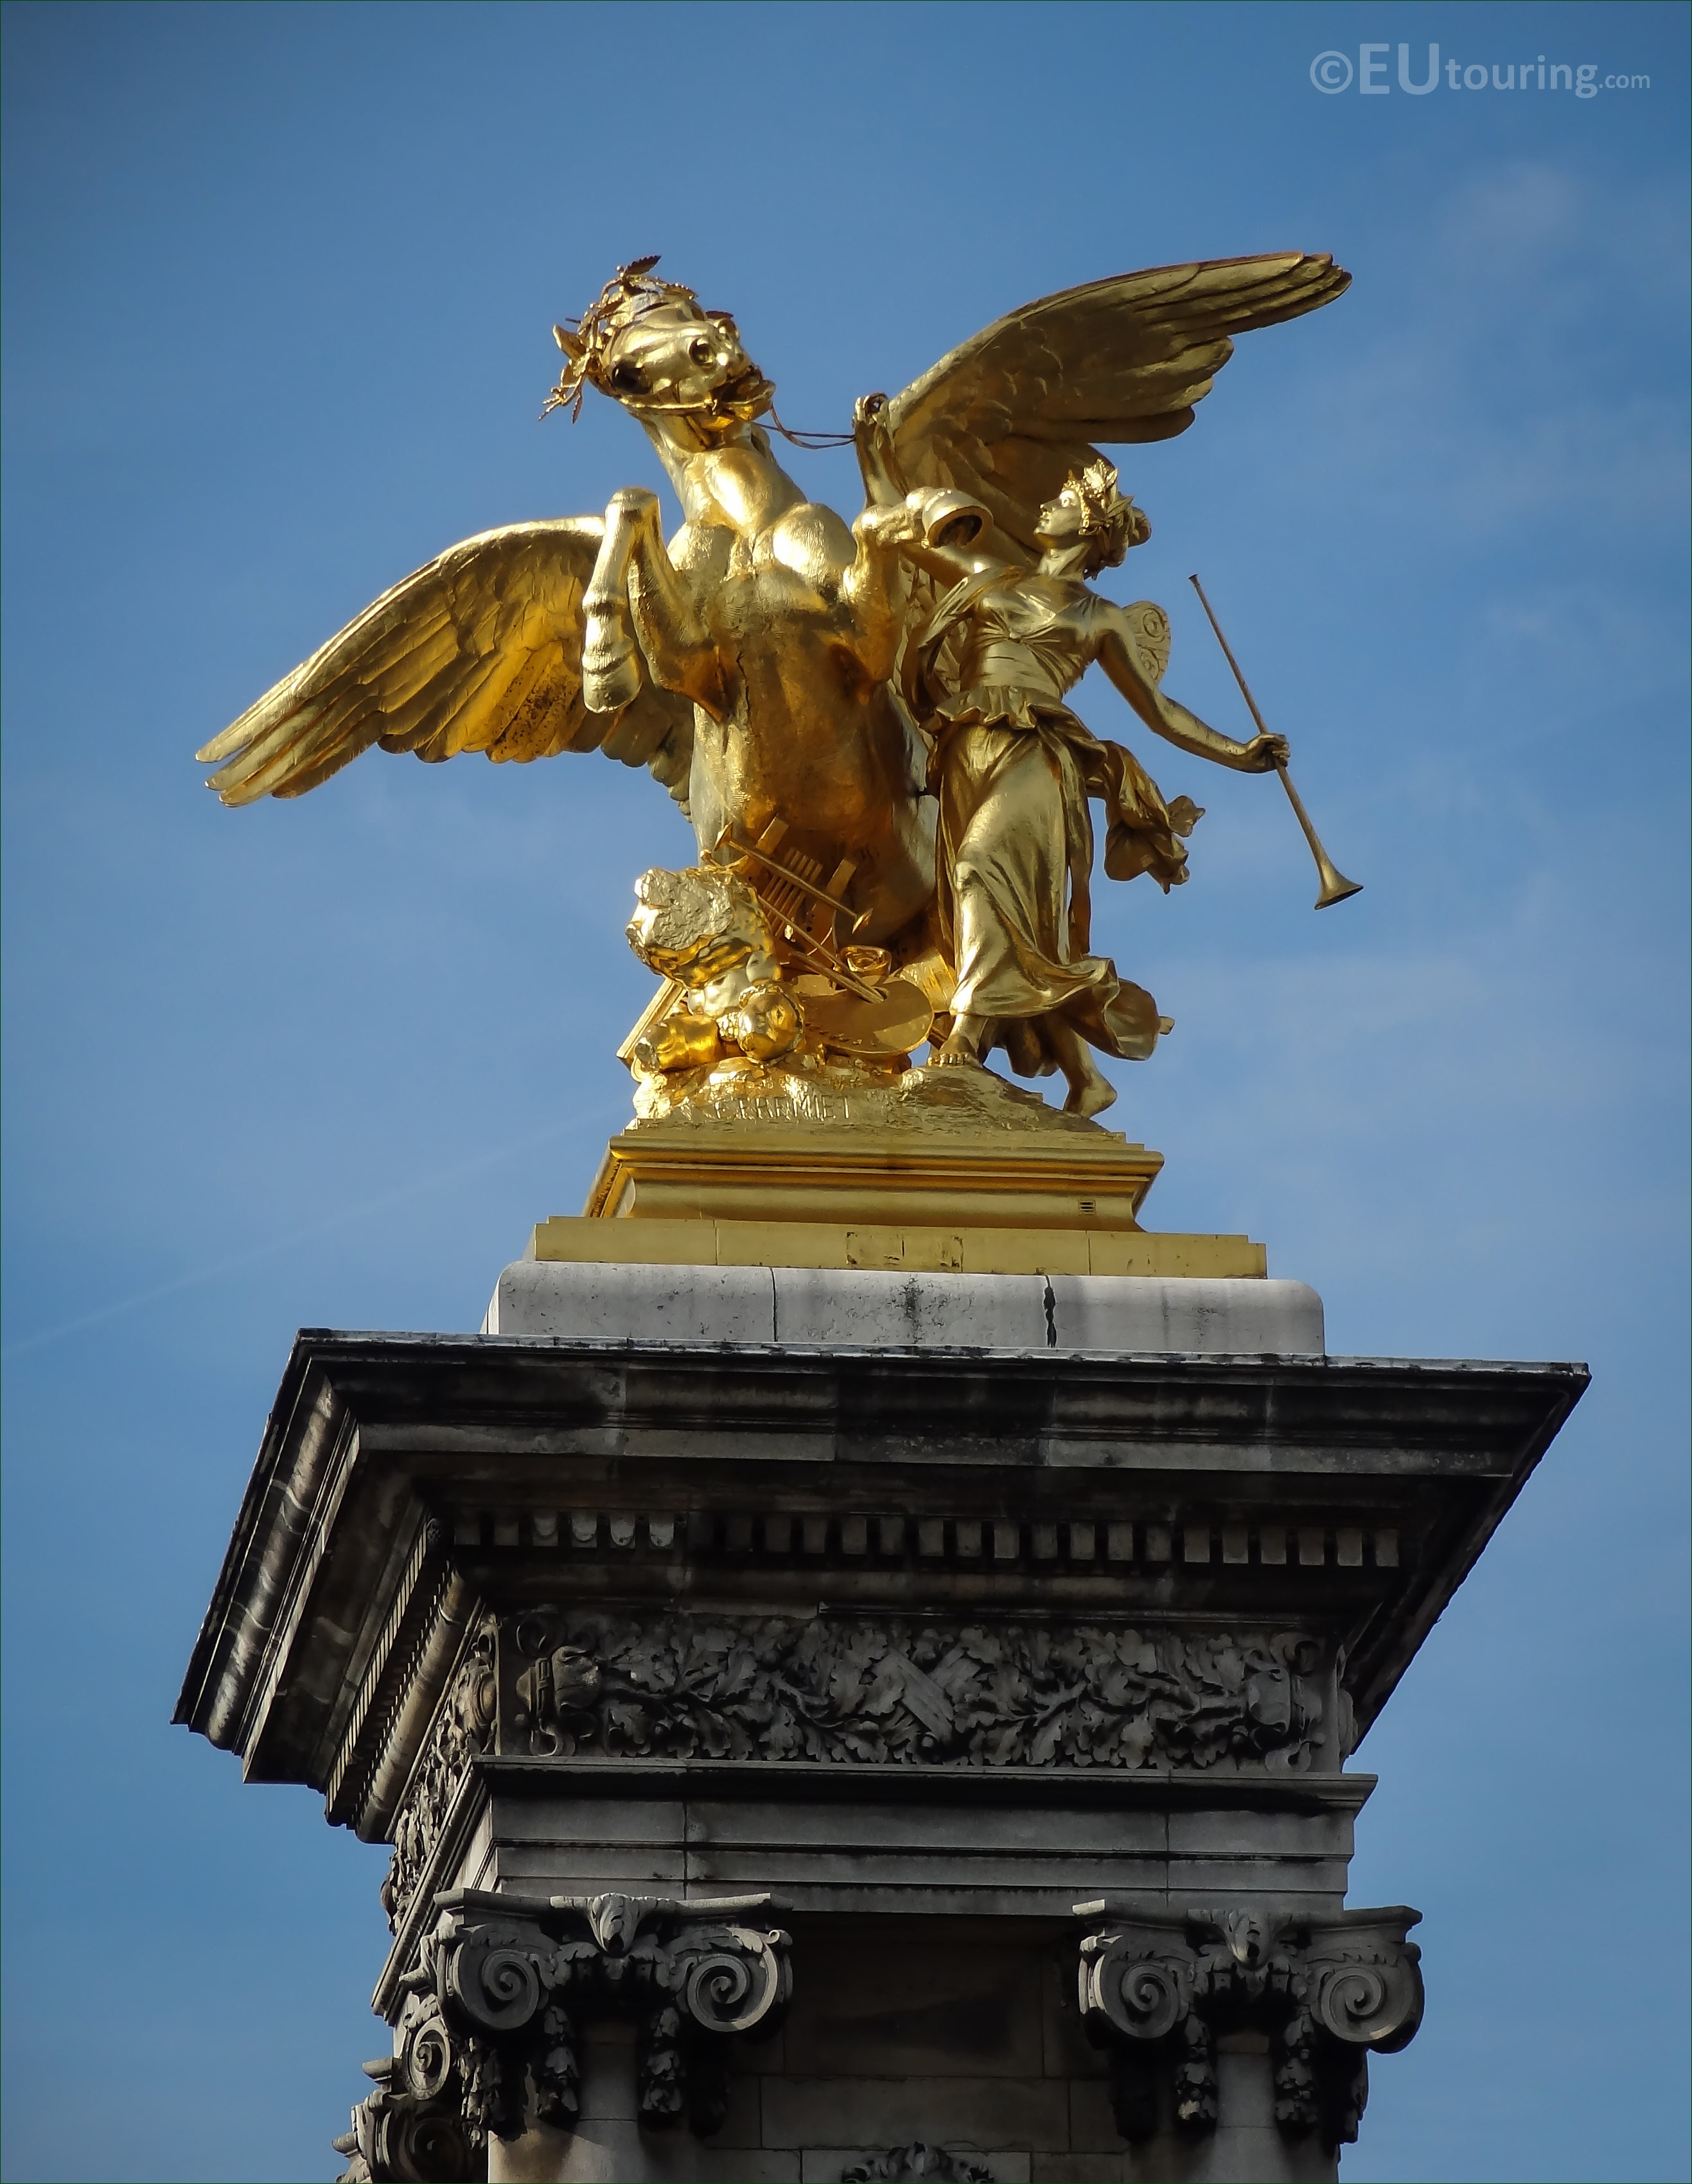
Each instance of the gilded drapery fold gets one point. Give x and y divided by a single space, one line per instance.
1013 769
1016 863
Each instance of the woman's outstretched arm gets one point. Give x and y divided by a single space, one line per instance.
1119 657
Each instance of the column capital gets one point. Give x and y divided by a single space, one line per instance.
1156 1988
488 2035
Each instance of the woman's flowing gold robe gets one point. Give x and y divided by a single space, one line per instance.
1013 768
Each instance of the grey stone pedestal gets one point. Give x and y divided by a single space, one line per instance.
882 1725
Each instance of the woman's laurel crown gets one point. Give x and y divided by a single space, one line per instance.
1101 504
1108 516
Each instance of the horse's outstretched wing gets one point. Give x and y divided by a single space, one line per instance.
480 650
1007 416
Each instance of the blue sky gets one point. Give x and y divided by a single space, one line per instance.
279 284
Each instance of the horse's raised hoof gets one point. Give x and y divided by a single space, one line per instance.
610 666
632 500
610 693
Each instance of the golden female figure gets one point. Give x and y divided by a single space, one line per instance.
1013 768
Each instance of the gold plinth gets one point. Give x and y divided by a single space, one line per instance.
709 1242
936 1171
886 1177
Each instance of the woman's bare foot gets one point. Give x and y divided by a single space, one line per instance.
962 1049
1090 1090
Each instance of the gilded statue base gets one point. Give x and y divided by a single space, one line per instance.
936 1169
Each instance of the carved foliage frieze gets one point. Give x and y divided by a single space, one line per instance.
1155 1992
488 2037
910 2164
463 1727
892 1693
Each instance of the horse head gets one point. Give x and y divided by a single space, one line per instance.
650 345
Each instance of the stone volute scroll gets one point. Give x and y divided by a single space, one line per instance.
488 2040
1156 1990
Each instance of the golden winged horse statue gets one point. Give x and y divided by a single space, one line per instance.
751 662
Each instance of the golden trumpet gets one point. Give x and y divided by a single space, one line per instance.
1335 887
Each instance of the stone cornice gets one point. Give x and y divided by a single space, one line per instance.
1041 1459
